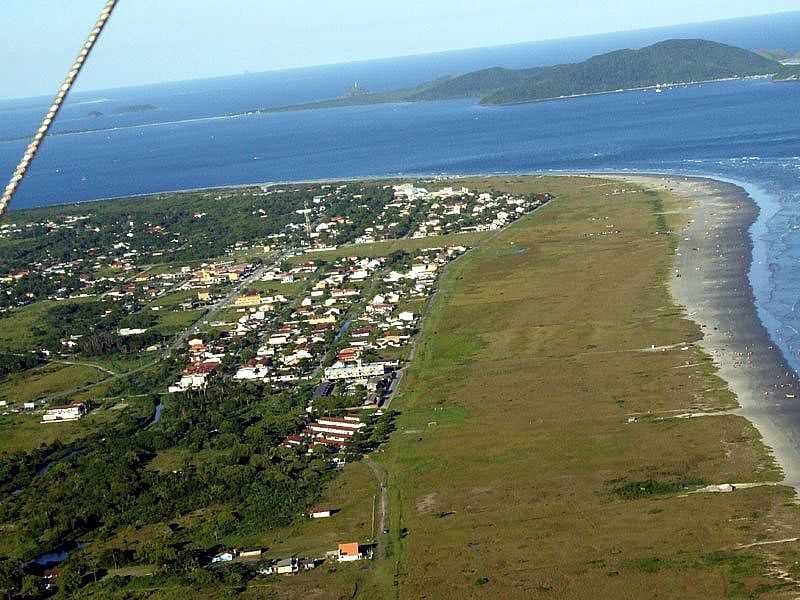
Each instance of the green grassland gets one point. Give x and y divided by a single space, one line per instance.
404 244
290 290
45 381
25 431
172 322
515 472
174 299
18 327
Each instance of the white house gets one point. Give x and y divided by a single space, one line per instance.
224 557
251 373
126 331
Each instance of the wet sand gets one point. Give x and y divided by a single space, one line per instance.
711 280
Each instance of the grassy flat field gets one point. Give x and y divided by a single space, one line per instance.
25 431
515 472
50 379
390 246
175 321
290 290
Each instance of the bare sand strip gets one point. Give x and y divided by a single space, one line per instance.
711 280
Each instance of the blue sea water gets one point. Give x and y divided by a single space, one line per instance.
741 130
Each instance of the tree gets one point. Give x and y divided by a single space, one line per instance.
10 577
31 587
70 580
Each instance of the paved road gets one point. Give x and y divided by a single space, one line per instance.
224 302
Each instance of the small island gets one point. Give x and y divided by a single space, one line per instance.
134 108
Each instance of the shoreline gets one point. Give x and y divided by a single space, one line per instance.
711 279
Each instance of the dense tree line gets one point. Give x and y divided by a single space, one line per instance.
102 483
14 363
185 226
94 327
37 286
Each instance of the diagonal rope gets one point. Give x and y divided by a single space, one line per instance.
63 91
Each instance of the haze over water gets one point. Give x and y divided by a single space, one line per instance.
743 130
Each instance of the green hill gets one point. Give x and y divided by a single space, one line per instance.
777 54
668 62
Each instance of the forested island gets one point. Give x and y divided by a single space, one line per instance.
671 62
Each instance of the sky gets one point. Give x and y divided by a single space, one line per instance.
152 41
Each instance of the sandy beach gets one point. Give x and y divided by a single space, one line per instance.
711 280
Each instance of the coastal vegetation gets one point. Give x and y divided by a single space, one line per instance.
537 453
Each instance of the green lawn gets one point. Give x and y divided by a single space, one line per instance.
388 247
174 299
290 290
172 322
50 379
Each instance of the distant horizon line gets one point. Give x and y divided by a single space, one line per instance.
98 90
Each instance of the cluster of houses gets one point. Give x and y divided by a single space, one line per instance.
385 323
327 328
203 360
99 270
417 211
295 341
333 432
345 552
51 414
460 210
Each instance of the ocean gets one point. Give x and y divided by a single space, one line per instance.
737 130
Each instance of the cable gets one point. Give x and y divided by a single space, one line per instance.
63 91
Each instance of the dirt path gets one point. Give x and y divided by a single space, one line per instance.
84 364
379 472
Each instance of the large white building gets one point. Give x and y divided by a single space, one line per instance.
72 412
357 371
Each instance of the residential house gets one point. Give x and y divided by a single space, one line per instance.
349 552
